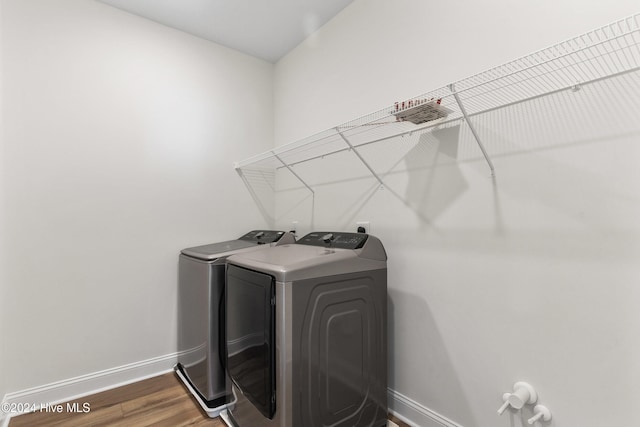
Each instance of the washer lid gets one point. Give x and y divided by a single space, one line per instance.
215 250
253 239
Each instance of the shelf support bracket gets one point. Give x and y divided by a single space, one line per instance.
364 162
292 171
452 88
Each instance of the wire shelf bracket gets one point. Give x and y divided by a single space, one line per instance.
452 88
290 169
364 162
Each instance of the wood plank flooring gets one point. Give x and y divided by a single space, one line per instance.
161 401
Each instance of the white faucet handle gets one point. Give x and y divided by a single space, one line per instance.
523 393
503 408
540 411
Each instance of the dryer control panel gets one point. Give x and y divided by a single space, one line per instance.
334 239
262 236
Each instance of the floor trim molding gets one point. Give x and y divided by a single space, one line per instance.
401 406
414 413
84 385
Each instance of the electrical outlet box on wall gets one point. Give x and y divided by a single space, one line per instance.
363 227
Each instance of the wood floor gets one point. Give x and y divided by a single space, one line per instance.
160 401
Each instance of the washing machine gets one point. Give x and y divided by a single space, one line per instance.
306 331
201 279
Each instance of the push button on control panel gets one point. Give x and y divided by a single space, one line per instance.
327 238
262 236
334 239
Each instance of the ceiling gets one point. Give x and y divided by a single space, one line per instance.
266 29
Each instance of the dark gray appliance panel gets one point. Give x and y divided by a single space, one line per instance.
334 239
340 350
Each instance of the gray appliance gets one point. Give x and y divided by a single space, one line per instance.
201 280
306 330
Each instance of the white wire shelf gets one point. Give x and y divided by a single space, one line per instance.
609 51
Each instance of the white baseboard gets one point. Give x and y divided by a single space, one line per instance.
415 414
404 408
84 385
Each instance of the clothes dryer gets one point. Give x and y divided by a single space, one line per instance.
201 280
306 330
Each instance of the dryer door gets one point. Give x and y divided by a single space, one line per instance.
250 314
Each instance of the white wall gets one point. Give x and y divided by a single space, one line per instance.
531 276
2 265
376 52
118 144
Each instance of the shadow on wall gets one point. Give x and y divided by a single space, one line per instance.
435 179
423 171
435 381
535 147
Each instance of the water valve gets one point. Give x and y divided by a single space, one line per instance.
540 413
523 393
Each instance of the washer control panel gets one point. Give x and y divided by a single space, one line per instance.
262 236
334 239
